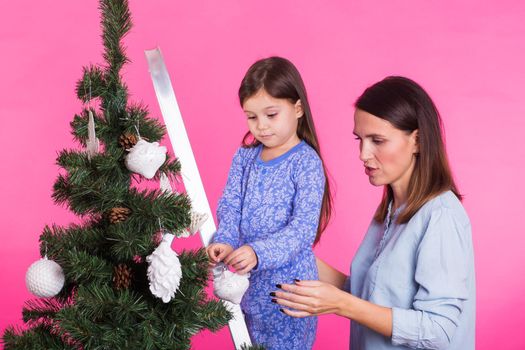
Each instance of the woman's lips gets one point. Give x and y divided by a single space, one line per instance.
370 171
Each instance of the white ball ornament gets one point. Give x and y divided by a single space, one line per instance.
228 285
45 278
145 158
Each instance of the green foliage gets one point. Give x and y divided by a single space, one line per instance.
93 83
36 338
89 313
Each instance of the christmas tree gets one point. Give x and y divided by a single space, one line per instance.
106 301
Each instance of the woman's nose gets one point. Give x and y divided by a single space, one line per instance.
364 152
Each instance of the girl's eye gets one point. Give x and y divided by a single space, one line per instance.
271 115
357 138
250 117
377 141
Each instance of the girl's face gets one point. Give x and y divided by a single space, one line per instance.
273 121
388 153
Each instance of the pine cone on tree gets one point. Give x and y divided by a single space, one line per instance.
118 214
127 140
122 275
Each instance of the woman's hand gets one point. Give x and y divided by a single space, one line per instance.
309 298
242 259
218 251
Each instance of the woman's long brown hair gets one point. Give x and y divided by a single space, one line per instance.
281 79
408 107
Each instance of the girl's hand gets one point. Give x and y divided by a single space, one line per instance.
218 251
242 259
309 298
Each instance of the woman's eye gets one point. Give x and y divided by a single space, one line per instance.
357 138
271 115
251 117
377 142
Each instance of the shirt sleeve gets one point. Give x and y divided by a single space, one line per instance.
441 272
347 286
301 231
230 204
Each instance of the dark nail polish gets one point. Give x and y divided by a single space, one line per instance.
278 286
274 301
296 280
272 294
281 310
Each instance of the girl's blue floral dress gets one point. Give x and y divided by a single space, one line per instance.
274 206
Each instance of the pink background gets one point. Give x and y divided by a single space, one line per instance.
469 56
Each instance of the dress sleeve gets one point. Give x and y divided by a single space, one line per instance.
301 230
442 269
230 204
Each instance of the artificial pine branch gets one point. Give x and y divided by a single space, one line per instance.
92 84
128 243
148 206
56 240
102 169
83 267
36 338
171 168
93 195
151 129
196 267
212 316
116 23
41 308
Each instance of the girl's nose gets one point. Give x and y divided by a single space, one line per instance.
261 124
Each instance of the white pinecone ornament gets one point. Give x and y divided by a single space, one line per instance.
145 158
228 285
164 270
197 220
45 278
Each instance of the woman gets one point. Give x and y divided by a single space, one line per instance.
412 281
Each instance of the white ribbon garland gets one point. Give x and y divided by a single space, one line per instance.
195 189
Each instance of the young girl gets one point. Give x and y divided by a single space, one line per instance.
276 202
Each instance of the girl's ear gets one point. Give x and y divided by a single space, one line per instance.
415 139
299 112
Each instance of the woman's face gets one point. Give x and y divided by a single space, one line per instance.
387 153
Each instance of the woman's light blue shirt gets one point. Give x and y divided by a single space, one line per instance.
424 271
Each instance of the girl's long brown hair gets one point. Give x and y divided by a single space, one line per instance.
408 107
281 79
